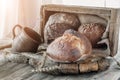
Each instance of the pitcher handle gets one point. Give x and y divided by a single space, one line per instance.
13 30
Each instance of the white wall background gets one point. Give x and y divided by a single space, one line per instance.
97 3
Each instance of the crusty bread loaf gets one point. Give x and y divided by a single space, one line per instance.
56 30
92 31
69 47
64 18
58 23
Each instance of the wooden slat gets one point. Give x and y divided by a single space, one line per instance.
38 77
116 33
11 69
18 74
6 67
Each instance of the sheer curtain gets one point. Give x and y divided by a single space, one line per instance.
8 15
23 12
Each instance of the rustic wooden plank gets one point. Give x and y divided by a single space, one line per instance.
62 77
18 75
11 69
6 67
77 9
116 33
2 66
37 76
50 77
112 30
27 74
82 76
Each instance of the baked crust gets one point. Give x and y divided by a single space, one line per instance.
69 48
93 31
58 23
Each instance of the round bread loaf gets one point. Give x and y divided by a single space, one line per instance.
64 18
92 31
58 23
56 30
70 47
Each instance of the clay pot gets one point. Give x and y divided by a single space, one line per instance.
70 47
27 41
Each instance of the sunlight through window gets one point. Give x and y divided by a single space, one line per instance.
2 15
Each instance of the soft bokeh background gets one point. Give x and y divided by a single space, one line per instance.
26 12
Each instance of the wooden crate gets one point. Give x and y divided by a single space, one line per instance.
110 14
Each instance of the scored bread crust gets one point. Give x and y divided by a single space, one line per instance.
56 30
58 23
93 31
69 48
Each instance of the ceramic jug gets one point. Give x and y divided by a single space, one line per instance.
27 41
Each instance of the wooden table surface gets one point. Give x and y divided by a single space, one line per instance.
15 71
